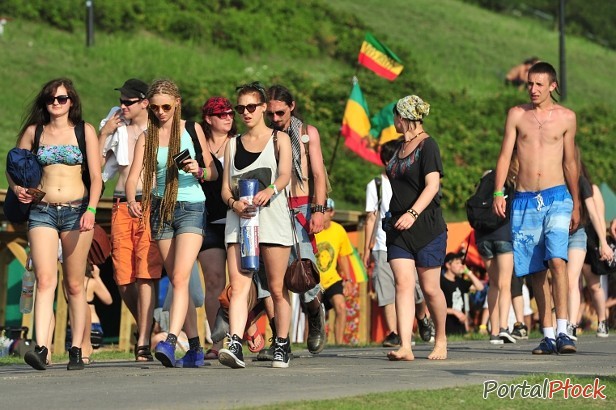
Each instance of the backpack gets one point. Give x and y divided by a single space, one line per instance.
479 206
215 206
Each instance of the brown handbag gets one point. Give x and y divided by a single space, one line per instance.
302 274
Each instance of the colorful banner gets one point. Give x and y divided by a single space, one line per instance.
358 272
375 56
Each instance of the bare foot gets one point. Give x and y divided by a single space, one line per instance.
439 352
401 355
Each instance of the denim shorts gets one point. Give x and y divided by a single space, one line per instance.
430 256
188 217
489 249
62 218
577 240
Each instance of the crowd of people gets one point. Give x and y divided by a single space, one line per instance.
169 213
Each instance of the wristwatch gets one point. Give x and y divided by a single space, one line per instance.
317 208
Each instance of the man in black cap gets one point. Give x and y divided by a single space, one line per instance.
136 260
457 280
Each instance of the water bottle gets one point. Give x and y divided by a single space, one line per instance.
27 289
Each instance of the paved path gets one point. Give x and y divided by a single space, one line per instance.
334 373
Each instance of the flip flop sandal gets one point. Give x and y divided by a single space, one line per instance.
255 342
211 354
143 354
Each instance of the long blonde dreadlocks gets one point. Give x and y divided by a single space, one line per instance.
167 205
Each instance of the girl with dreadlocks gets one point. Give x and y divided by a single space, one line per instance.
175 198
264 154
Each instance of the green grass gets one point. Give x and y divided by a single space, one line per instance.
468 397
455 52
461 47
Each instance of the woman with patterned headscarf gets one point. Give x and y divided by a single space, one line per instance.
175 199
416 232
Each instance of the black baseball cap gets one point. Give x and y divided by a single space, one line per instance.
134 88
453 255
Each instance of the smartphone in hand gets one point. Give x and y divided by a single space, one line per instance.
180 157
37 195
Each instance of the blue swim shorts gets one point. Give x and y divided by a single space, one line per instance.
540 228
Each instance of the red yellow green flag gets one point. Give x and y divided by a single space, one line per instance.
383 129
356 126
375 56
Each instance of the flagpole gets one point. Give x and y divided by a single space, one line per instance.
331 162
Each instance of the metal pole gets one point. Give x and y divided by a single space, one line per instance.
563 63
89 23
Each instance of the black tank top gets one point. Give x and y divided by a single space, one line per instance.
244 158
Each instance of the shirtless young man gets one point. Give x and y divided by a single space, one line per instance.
544 208
308 194
136 260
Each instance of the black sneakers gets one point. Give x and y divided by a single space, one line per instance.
74 359
316 331
37 358
232 356
505 336
267 354
520 331
392 340
281 353
426 329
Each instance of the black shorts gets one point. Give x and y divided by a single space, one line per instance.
335 289
214 237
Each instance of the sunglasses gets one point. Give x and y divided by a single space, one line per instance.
224 115
276 113
62 99
248 107
165 107
128 103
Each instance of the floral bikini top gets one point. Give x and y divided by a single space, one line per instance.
59 154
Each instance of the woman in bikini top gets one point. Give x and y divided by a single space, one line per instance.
57 109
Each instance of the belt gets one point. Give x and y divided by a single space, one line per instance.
120 199
75 203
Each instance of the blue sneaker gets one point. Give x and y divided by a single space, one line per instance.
165 353
547 346
192 358
564 344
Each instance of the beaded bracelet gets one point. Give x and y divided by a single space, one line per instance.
91 209
317 208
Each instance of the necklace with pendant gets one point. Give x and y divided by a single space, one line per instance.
411 140
218 150
539 122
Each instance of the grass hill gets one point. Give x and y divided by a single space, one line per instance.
455 55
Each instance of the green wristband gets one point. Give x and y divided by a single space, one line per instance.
499 193
91 209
